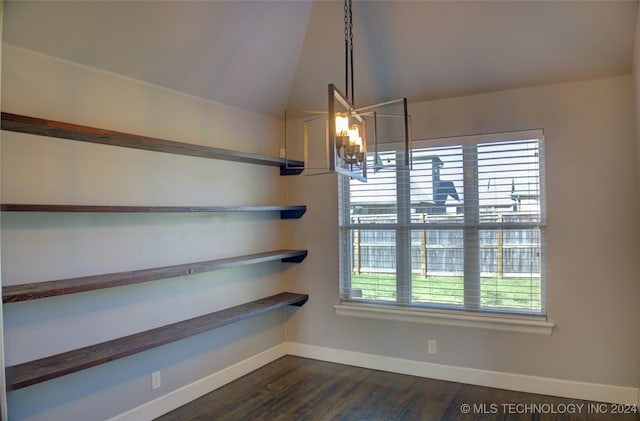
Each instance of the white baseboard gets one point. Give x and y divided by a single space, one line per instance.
188 393
496 379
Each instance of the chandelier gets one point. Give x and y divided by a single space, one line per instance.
345 139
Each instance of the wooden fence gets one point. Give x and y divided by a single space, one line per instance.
440 252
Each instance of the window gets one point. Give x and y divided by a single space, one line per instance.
463 229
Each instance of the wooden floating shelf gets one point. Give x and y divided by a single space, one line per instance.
32 372
286 212
36 290
60 130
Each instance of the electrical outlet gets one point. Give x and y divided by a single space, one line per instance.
432 346
156 380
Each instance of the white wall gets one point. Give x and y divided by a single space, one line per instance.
3 395
636 78
593 242
38 247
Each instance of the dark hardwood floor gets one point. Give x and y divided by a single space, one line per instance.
294 388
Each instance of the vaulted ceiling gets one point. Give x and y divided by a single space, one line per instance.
269 55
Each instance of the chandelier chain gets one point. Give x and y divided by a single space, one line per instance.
346 22
346 46
348 50
350 27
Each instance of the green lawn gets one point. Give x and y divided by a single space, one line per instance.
505 293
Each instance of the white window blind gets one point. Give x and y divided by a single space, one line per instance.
463 229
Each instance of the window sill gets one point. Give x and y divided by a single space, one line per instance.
447 318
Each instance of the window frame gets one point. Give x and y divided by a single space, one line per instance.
470 314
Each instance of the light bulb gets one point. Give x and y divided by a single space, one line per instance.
354 136
342 125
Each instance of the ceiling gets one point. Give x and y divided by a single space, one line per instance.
266 56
